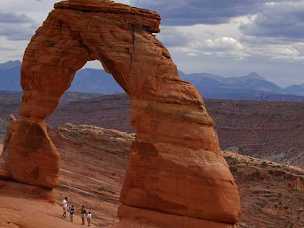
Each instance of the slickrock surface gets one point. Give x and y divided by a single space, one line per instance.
175 145
23 206
95 161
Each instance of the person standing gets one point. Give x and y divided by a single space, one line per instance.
89 218
83 214
65 207
72 212
69 207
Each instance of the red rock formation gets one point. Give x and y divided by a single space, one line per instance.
32 157
5 150
175 163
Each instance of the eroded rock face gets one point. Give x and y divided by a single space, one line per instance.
32 157
138 218
175 163
5 150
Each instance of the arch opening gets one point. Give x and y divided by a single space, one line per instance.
93 79
101 96
176 144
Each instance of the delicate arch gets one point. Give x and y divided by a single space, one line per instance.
175 163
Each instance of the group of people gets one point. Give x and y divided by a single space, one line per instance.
69 211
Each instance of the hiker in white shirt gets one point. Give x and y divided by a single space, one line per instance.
65 207
89 218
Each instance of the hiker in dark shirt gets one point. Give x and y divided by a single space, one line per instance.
72 212
83 214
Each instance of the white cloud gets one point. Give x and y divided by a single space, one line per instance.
11 50
129 2
221 40
224 43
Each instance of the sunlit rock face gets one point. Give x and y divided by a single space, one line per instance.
177 176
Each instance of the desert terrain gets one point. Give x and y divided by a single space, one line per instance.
94 157
267 130
94 161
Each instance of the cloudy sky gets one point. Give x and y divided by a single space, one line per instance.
227 37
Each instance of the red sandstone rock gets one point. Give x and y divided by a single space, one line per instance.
32 157
178 180
175 163
138 218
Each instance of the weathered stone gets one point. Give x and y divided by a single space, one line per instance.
178 180
32 157
11 128
145 19
176 167
138 218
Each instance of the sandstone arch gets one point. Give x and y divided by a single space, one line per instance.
176 175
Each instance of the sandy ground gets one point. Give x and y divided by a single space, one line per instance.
24 206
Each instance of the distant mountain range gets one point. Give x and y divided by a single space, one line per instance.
86 80
248 87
